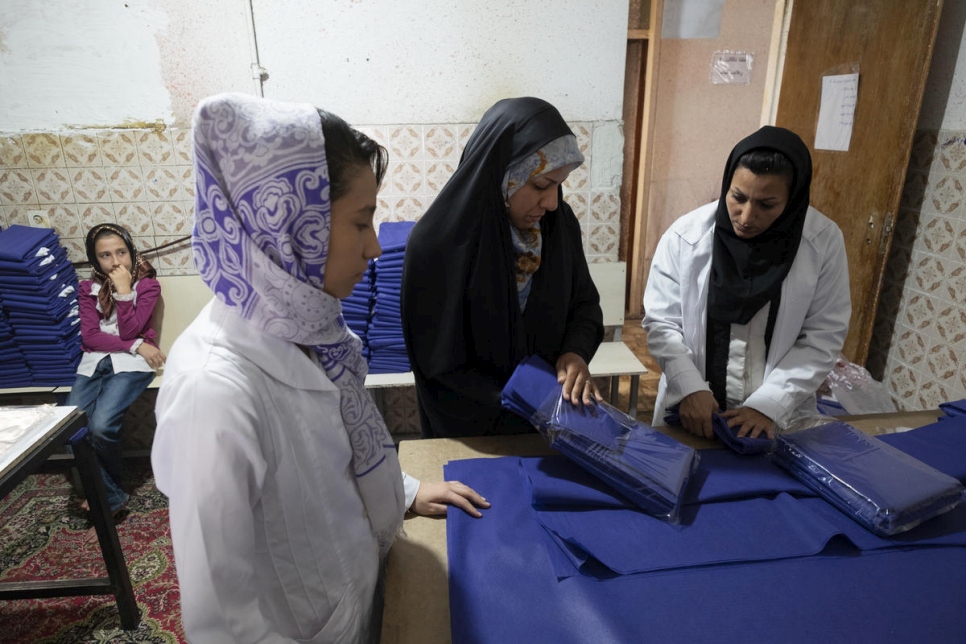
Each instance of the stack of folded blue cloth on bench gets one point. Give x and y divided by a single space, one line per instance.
38 296
953 409
13 364
883 489
649 468
357 309
386 343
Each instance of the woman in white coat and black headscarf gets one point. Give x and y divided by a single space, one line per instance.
284 489
747 302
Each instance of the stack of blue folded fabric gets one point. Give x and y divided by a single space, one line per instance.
386 343
38 295
13 365
883 489
727 435
649 468
357 309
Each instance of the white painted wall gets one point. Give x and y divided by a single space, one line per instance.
90 63
440 61
108 63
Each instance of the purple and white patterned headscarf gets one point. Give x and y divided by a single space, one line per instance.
260 241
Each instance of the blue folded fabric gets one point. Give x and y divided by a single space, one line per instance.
393 235
941 445
842 594
728 435
18 243
881 487
650 468
953 408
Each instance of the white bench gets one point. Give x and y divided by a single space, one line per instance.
183 297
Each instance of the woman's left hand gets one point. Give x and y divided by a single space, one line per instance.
750 422
433 498
574 375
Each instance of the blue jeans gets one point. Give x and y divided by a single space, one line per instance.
104 397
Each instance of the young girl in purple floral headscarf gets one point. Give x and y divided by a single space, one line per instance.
285 490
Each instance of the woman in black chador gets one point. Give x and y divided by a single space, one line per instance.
495 271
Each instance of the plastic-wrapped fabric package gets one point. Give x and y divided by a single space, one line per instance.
882 488
651 469
727 435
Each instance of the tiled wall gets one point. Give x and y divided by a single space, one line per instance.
143 180
919 344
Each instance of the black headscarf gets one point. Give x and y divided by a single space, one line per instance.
746 274
460 310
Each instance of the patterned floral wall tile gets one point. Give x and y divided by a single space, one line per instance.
164 184
95 214
401 410
188 184
438 173
942 362
126 184
441 142
405 142
155 148
377 134
66 221
81 151
135 217
90 185
171 218
931 394
912 347
43 150
929 274
14 215
605 208
938 234
17 188
903 385
76 252
584 133
118 148
181 141
951 147
947 194
12 154
604 240
465 132
407 177
580 204
52 185
174 260
956 284
406 209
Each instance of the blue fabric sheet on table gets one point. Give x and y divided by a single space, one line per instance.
501 566
648 467
727 435
881 487
953 408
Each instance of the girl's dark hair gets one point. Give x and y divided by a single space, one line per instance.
765 162
345 150
103 230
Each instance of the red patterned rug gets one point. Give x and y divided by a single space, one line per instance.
42 533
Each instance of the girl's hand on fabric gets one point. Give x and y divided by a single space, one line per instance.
433 499
695 412
750 422
152 354
574 374
121 278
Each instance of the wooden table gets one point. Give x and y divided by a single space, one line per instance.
417 586
71 428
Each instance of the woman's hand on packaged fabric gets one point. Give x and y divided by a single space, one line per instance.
121 279
751 423
574 374
695 412
434 498
152 354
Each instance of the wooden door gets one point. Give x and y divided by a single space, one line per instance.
891 43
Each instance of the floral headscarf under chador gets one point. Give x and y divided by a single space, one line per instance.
140 267
260 241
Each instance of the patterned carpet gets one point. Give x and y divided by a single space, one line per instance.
42 537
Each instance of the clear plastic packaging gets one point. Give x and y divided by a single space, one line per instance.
882 488
854 388
651 469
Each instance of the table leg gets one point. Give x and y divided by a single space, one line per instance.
615 386
632 398
86 462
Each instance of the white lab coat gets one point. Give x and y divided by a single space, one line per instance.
270 536
810 327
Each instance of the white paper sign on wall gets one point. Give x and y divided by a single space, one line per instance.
731 68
